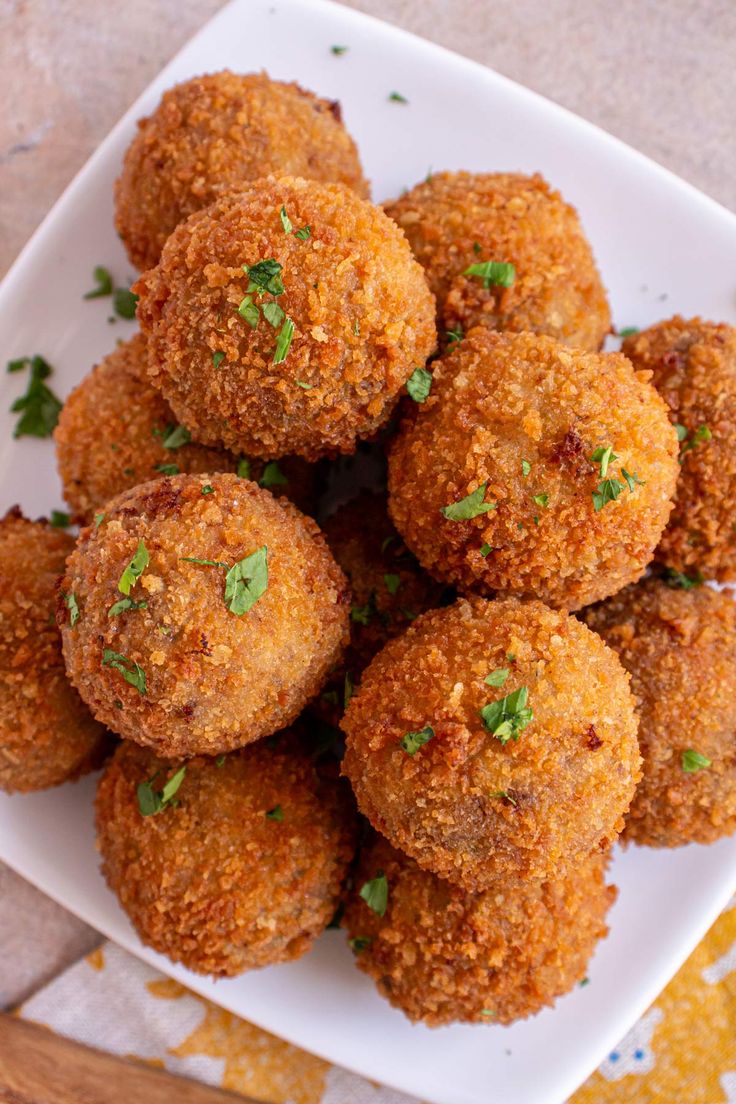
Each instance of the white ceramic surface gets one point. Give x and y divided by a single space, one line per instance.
662 247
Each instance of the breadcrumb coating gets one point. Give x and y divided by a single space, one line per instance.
47 736
469 805
693 366
442 955
244 871
363 319
457 219
111 435
216 132
212 679
523 416
680 649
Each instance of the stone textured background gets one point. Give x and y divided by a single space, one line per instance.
661 76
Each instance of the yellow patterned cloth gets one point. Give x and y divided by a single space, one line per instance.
682 1051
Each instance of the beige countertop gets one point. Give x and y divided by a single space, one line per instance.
660 76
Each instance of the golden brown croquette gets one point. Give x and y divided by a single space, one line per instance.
679 646
458 220
693 366
116 431
443 955
268 342
534 469
192 657
240 868
494 740
216 132
47 736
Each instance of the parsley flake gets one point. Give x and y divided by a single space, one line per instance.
217 358
338 51
176 437
303 233
277 813
243 471
454 337
497 677
285 220
103 283
607 490
678 579
125 604
272 476
498 273
151 801
632 479
362 615
247 581
283 342
99 518
208 489
70 601
699 437
627 331
360 943
505 796
375 893
392 582
273 314
525 469
39 408
165 469
471 506
412 741
509 716
604 456
124 301
396 97
60 520
132 672
265 276
419 384
693 761
485 548
541 499
135 569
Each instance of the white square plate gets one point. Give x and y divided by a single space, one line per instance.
662 247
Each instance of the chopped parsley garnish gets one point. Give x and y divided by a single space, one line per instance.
303 233
471 506
220 761
604 456
679 579
509 716
693 761
165 469
375 893
627 331
412 741
176 437
265 276
126 604
128 668
699 437
60 520
454 337
338 51
607 490
419 384
245 582
540 499
272 476
505 796
498 273
152 801
497 677
243 471
208 489
488 1012
277 813
586 981
39 408
360 943
396 97
135 569
273 314
217 358
124 301
362 615
285 220
283 342
392 582
249 311
70 601
632 479
99 518
304 386
103 283
485 549
525 468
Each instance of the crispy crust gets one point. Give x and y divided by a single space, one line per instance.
694 369
355 272
214 680
47 735
500 399
465 806
680 649
111 432
454 220
442 955
213 882
218 131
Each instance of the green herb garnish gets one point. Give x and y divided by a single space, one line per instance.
540 499
125 604
509 716
165 469
375 893
604 456
396 97
505 796
525 469
498 273
272 476
607 490
693 761
60 520
678 579
265 276
303 233
627 331
283 342
699 437
412 741
419 384
485 548
39 407
128 668
71 604
103 283
208 489
247 581
243 471
392 583
285 220
99 518
471 506
277 813
124 301
176 437
454 337
217 358
151 801
360 943
338 51
135 569
497 677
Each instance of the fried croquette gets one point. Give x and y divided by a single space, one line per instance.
47 736
679 645
534 469
494 740
116 431
442 955
268 341
694 369
461 221
216 132
237 864
209 613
